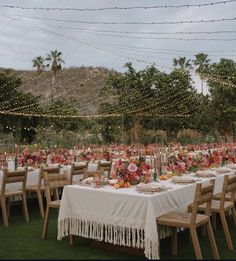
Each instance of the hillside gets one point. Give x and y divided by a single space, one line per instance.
82 84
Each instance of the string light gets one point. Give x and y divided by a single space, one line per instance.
128 23
117 7
162 38
217 80
78 115
140 32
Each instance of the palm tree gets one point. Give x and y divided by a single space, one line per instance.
202 63
55 63
182 63
38 62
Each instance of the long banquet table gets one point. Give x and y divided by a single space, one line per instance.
33 173
123 216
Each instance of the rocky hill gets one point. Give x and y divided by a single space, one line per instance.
82 84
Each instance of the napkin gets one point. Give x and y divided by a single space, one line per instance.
231 166
150 187
221 170
183 179
206 173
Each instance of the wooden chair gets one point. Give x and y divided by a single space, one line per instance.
39 188
52 182
105 166
94 173
218 196
77 170
9 177
193 220
222 206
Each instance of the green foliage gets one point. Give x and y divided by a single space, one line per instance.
142 102
223 98
182 63
55 61
22 128
149 91
38 62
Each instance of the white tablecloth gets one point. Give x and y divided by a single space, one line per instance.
123 216
32 176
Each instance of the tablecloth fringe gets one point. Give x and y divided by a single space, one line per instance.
123 236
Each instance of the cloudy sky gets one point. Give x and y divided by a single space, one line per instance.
25 34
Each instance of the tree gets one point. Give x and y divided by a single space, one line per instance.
12 101
38 63
60 107
55 64
223 97
129 93
202 63
149 92
182 63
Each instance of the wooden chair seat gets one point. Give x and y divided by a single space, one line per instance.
55 204
12 193
75 182
178 219
35 188
227 196
215 206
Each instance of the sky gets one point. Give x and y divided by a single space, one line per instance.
25 34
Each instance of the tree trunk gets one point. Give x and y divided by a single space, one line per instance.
202 85
53 87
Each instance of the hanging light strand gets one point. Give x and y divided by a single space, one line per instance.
209 4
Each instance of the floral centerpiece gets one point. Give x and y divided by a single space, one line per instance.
131 173
31 159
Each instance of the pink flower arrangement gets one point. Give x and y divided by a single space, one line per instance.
133 172
31 158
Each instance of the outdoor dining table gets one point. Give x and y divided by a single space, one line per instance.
123 216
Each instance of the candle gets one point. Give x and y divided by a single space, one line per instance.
16 150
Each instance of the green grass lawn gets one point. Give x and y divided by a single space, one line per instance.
23 241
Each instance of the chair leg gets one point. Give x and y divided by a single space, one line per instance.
8 203
4 212
174 241
55 194
159 239
203 230
196 245
213 218
71 240
211 237
45 223
40 200
190 237
234 216
226 231
25 208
